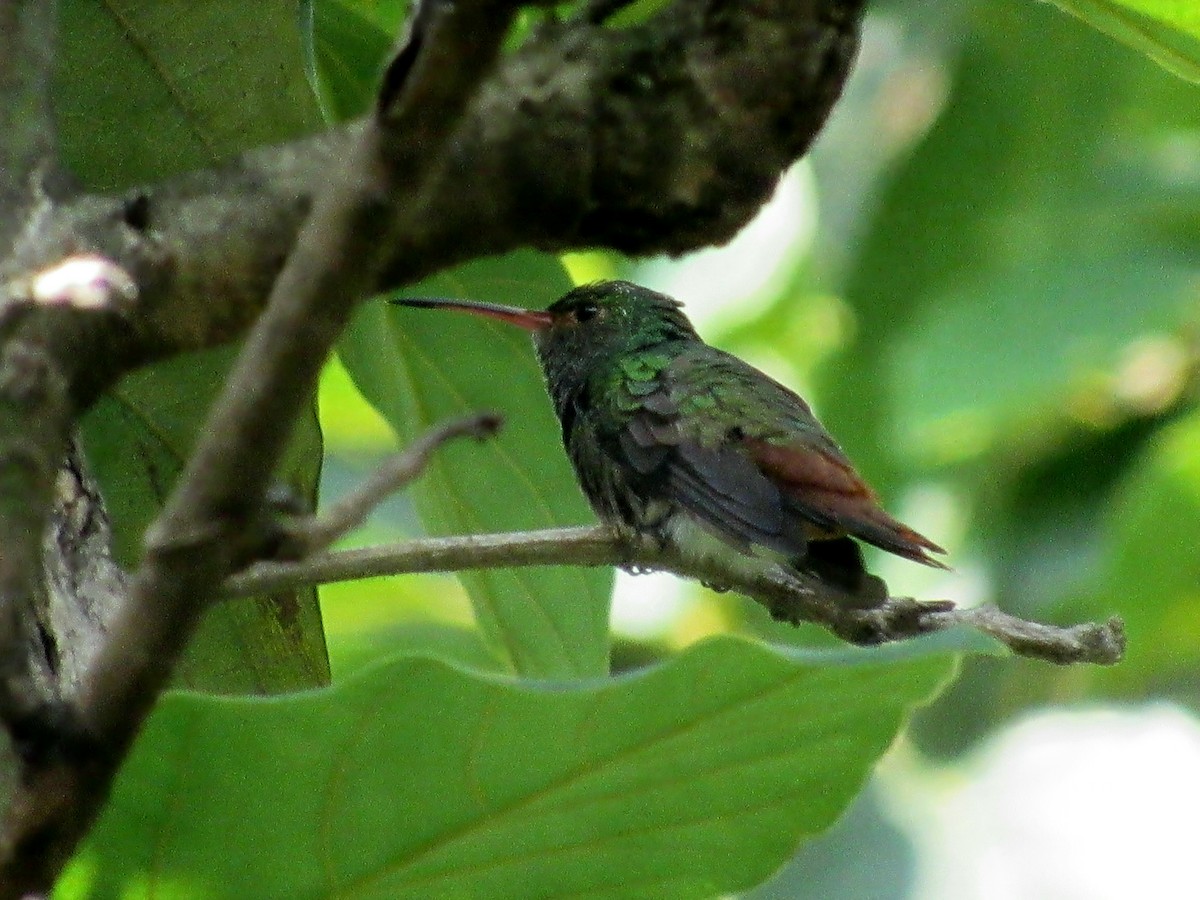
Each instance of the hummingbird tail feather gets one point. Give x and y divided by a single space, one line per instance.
828 491
878 528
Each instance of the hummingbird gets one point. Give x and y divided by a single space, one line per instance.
673 438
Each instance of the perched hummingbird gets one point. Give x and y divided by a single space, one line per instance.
676 439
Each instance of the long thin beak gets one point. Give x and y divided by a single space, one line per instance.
529 319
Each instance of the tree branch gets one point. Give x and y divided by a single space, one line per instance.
27 158
659 138
37 679
218 504
32 407
195 542
790 596
86 586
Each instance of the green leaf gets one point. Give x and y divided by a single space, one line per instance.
124 63
637 12
137 439
147 88
462 646
1152 574
1168 31
417 779
384 15
420 367
350 53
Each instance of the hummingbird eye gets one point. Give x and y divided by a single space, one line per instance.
587 312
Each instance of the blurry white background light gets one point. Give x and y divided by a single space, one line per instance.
1101 805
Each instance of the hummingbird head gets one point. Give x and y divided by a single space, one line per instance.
590 323
609 318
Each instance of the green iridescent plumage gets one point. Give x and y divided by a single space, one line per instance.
677 439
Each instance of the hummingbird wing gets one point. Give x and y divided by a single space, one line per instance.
746 456
646 435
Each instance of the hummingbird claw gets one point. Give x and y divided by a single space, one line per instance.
634 569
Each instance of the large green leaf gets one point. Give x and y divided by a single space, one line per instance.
137 439
146 87
417 779
1168 31
422 367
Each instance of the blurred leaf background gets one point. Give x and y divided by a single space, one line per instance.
985 277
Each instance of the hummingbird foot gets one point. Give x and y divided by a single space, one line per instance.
637 569
633 544
865 619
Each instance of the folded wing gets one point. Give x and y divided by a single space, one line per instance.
746 457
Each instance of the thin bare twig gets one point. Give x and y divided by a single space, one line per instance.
1102 643
314 534
789 596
